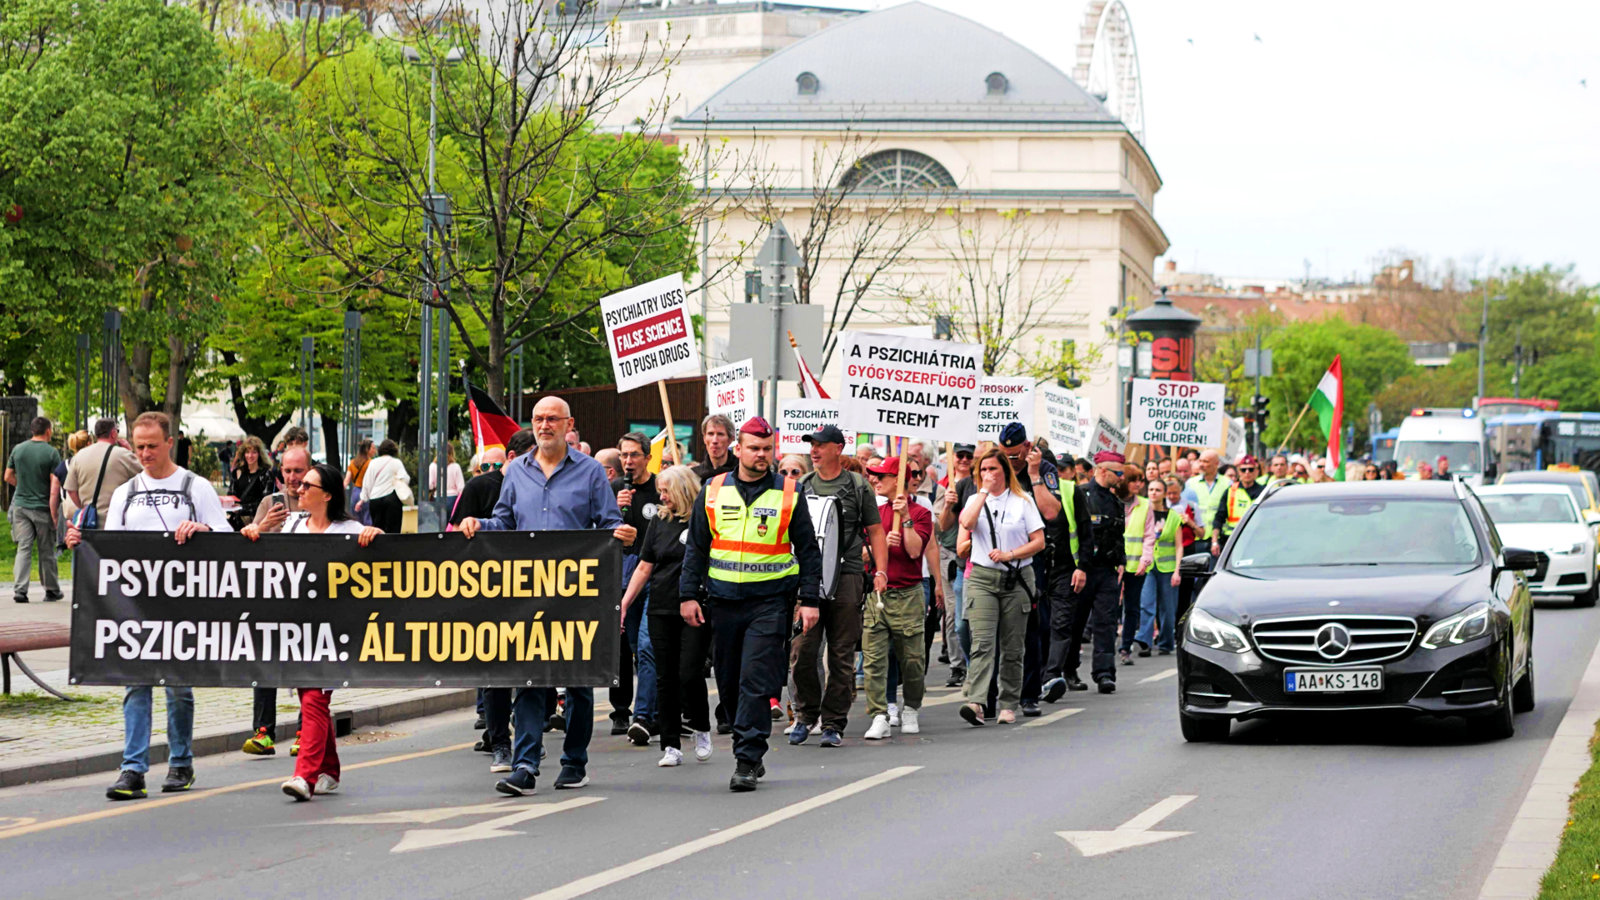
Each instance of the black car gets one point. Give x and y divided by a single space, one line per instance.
1372 595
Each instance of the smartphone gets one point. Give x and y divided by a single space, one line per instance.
277 498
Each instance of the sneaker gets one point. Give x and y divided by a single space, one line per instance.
1006 717
799 733
744 777
972 713
908 722
1055 689
958 677
520 784
831 738
702 745
638 733
571 778
944 658
53 598
1144 652
23 599
877 731
482 746
777 709
297 788
670 757
724 728
327 784
1074 683
259 745
618 726
1030 708
294 748
481 724
129 786
558 722
179 778
501 761
1124 657
1108 685
894 715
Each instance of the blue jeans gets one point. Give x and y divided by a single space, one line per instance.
136 703
528 712
1158 605
963 630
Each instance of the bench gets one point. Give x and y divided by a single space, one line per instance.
18 637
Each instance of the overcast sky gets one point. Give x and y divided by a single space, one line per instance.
1453 130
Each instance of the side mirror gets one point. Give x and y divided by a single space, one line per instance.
1515 559
1195 565
1591 517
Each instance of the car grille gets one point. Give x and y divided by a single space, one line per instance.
1371 639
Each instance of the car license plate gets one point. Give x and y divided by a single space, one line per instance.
1331 681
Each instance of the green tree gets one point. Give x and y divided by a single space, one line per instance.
1302 352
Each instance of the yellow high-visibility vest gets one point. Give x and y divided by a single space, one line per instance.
750 543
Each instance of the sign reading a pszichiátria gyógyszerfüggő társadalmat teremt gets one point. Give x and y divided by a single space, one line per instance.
505 609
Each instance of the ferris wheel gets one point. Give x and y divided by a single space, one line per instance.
1108 62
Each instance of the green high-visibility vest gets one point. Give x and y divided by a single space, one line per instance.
1210 498
1133 531
1068 490
1166 561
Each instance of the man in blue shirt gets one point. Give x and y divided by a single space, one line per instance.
555 487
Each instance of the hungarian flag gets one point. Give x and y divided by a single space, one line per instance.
1328 401
810 387
491 427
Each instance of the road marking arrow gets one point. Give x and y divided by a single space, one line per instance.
1133 833
427 838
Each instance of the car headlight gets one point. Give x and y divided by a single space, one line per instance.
1210 631
1574 550
1469 624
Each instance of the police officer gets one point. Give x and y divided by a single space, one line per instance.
750 547
1101 557
1066 625
1238 500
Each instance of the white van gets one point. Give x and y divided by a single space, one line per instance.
1457 434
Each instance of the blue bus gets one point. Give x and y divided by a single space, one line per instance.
1537 441
1383 445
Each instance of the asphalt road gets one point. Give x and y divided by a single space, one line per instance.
1348 808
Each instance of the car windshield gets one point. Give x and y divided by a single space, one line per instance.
1463 455
1574 486
1356 531
1527 509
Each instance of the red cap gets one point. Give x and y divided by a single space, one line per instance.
886 466
756 426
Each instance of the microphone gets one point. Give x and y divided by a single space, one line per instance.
627 485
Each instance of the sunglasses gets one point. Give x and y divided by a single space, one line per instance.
310 484
963 456
791 473
489 467
1247 468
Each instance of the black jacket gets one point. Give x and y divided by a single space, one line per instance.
1102 547
1063 560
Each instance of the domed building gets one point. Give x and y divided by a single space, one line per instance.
941 175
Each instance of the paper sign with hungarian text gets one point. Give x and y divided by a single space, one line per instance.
910 387
731 391
800 417
1005 400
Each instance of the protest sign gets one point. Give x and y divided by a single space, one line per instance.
1001 401
1178 413
798 418
910 387
1234 448
436 610
1086 422
731 391
1061 420
1107 437
649 333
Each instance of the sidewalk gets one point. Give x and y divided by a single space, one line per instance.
42 738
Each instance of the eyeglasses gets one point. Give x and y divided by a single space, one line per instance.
489 467
311 484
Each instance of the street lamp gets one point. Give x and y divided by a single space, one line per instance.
1483 334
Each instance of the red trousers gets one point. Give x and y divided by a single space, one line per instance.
318 755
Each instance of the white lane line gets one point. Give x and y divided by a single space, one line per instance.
1159 676
673 854
956 697
1053 717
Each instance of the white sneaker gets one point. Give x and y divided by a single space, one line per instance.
673 757
878 730
894 714
702 745
908 722
816 727
327 784
297 788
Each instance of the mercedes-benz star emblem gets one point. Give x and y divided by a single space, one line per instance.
1333 640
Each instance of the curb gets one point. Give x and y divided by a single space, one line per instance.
105 758
1531 844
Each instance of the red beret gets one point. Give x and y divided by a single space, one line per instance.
756 426
1108 457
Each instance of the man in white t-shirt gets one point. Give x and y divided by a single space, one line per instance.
175 501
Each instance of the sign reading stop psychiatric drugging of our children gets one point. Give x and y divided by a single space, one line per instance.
649 333
505 609
1178 413
910 387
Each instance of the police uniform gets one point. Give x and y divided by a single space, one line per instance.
750 547
1066 628
1101 554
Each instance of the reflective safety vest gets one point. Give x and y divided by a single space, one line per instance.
1238 503
750 543
1210 498
1133 532
1068 489
1166 560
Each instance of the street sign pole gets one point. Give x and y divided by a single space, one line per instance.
777 258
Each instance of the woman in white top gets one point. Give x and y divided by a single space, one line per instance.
381 486
454 481
316 767
1000 530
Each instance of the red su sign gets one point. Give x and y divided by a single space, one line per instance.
1172 358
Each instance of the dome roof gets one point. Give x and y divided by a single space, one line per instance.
912 67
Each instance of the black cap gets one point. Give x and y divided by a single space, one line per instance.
827 434
1013 435
965 448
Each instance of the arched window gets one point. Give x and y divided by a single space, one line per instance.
996 84
898 170
807 83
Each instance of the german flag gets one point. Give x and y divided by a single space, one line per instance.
491 427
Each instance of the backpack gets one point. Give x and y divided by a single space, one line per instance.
182 491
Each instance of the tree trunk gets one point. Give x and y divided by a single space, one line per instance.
330 441
403 422
256 426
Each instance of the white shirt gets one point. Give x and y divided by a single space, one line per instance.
158 504
1014 517
453 479
302 525
382 474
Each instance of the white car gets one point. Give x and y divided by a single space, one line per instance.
1545 518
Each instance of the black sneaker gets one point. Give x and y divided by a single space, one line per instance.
1030 708
501 761
744 777
619 726
1144 652
944 658
724 728
53 598
571 778
1108 685
557 722
958 677
638 733
129 786
1074 683
519 784
1055 689
179 778
482 746
481 724
20 599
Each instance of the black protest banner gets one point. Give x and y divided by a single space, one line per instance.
506 609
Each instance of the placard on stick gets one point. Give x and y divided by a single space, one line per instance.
798 418
909 386
1178 413
1004 400
731 391
649 333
